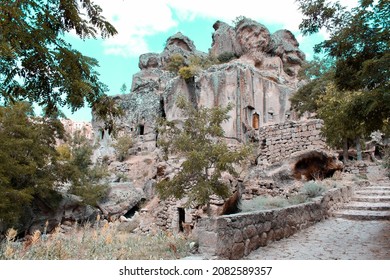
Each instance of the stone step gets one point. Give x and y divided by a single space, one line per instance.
366 198
362 215
372 192
379 188
372 206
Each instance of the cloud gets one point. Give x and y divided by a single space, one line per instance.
136 20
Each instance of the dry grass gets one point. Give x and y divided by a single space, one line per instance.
93 243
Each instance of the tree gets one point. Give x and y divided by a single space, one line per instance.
359 43
122 146
33 168
318 73
340 125
38 65
84 178
28 160
123 89
207 155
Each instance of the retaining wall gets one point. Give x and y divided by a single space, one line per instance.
276 142
235 236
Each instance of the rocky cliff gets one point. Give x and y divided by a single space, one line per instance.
258 79
246 66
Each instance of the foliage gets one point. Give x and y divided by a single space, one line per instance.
236 22
122 146
319 73
97 243
176 61
334 107
360 46
312 189
123 89
38 65
207 155
264 203
86 180
187 70
386 160
28 159
226 57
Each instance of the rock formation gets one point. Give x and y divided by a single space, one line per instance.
258 82
257 73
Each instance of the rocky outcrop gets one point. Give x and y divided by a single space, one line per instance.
258 82
224 40
257 75
121 198
47 215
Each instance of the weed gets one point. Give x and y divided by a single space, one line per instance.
95 243
312 189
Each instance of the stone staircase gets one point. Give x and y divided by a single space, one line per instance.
369 203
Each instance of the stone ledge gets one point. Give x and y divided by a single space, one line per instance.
235 236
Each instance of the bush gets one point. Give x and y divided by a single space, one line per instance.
313 189
263 203
187 72
95 243
176 61
226 57
122 146
386 160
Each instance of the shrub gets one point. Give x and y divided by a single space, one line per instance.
263 203
386 160
187 72
313 189
95 243
226 57
176 61
122 146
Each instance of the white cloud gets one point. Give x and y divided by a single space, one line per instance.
136 19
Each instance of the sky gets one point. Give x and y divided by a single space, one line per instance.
143 26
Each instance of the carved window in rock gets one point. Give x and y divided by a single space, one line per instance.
102 134
271 115
182 215
141 129
255 121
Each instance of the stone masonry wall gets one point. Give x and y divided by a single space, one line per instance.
276 142
235 236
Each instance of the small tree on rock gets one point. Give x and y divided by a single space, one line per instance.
207 155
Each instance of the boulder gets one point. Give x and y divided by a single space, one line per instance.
285 45
121 198
44 215
252 36
149 60
224 40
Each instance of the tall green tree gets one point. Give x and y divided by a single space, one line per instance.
318 74
33 167
359 43
200 142
38 65
84 178
28 159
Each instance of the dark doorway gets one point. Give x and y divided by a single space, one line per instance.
141 129
255 121
182 217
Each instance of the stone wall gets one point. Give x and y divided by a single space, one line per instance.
235 236
277 142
